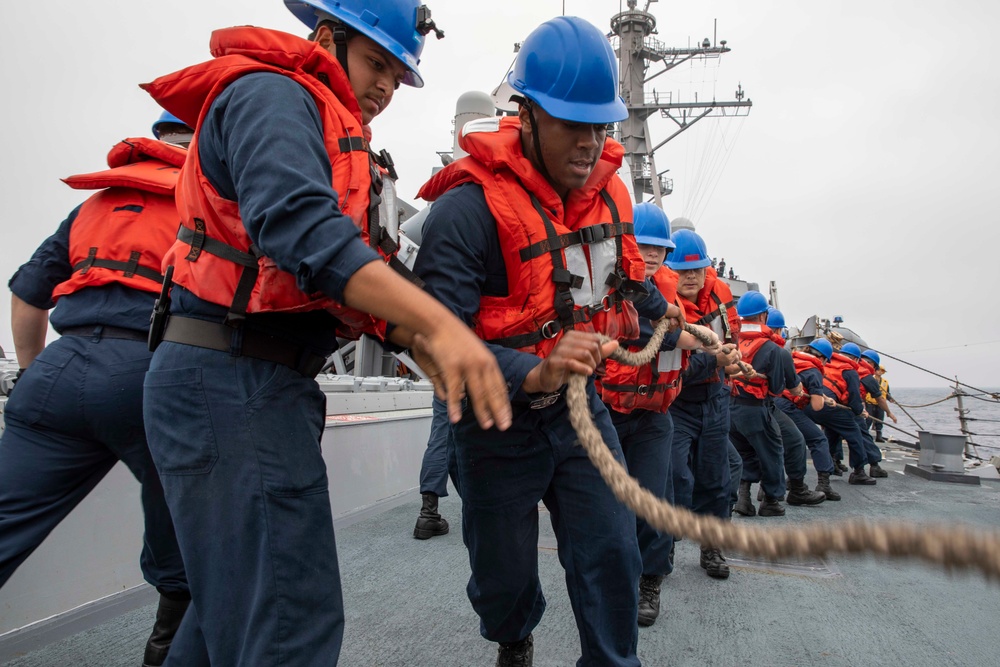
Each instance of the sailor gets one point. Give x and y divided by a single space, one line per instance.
876 398
434 469
702 465
77 408
638 398
754 427
866 383
808 366
793 439
840 382
883 385
268 268
529 241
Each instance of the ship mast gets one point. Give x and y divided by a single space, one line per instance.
637 52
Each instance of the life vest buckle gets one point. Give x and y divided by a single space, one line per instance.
550 329
607 303
642 390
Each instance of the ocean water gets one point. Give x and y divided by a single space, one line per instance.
983 415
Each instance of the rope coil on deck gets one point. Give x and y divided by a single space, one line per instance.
953 547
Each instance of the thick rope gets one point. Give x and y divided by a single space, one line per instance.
926 405
953 547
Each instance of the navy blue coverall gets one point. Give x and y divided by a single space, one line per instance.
819 446
839 422
871 385
237 439
701 447
76 411
754 427
646 440
503 475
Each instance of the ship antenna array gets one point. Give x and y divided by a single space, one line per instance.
632 32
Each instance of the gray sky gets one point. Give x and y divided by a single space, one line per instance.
863 180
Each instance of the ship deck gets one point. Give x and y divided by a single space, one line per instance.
405 599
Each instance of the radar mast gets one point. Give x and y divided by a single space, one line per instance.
632 35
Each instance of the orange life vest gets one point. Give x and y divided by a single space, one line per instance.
833 375
753 336
121 233
803 361
566 263
213 256
655 385
863 372
714 299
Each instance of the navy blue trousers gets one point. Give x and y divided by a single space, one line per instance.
701 455
438 457
502 478
735 474
756 433
872 452
76 412
645 438
793 444
237 444
819 446
839 423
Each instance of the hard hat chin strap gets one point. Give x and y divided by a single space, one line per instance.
340 46
536 141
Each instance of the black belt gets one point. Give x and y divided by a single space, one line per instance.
99 331
255 344
749 400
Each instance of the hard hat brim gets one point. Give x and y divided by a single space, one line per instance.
684 266
575 112
652 240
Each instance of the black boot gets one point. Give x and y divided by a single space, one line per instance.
517 654
800 494
860 477
771 507
761 495
649 598
744 505
875 470
714 563
168 618
839 468
430 523
825 488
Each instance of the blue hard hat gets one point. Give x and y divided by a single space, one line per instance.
873 357
689 251
823 346
568 68
166 117
398 26
651 225
750 304
851 350
775 319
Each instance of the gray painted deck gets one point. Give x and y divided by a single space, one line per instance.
406 604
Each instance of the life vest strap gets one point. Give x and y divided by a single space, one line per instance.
130 268
548 330
200 241
348 144
584 235
641 389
